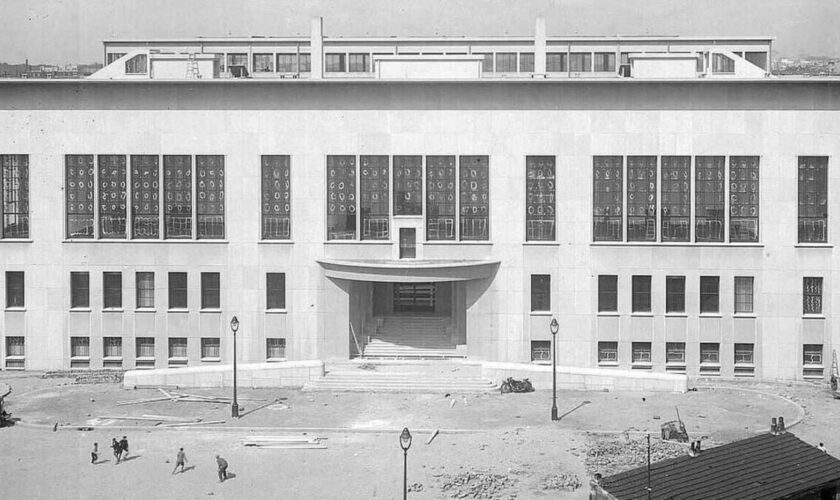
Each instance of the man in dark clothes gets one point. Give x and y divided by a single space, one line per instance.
223 465
94 455
180 460
117 450
124 445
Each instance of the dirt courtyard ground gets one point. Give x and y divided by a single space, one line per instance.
490 446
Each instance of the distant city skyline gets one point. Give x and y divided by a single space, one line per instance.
64 31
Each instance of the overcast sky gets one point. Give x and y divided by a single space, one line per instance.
59 31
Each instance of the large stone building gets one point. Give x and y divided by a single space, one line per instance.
665 199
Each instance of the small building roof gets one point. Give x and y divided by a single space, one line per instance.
766 466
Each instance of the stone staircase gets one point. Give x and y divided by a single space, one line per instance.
433 377
411 337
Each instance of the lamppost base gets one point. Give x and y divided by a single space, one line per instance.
554 414
234 410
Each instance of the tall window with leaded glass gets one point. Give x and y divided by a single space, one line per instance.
112 196
641 198
374 187
341 197
210 191
276 197
475 197
79 195
15 171
709 201
540 187
145 204
813 199
408 185
812 293
676 198
743 198
607 201
177 194
440 198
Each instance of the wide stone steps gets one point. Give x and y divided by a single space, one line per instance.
399 382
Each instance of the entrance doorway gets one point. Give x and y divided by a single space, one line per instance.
414 297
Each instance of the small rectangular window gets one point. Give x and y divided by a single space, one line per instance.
526 62
744 354
145 352
408 243
709 354
487 64
540 292
263 63
178 351
210 348
608 353
145 288
641 353
813 199
743 294
641 293
14 289
506 62
79 352
359 63
540 350
275 290
177 290
709 294
812 289
112 290
581 62
210 291
812 361
112 352
15 353
334 63
675 294
605 62
275 349
79 290
675 356
607 293
556 62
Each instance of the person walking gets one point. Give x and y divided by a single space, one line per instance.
124 445
94 454
223 465
115 445
180 460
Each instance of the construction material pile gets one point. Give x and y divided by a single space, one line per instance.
478 485
565 481
285 442
609 454
87 376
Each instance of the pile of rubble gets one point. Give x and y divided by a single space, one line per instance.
87 376
478 485
564 481
609 454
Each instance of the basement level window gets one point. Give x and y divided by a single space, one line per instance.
275 349
607 353
744 360
709 359
812 362
15 352
79 352
641 355
540 350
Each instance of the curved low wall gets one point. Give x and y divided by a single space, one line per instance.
285 374
586 379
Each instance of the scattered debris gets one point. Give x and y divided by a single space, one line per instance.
478 485
437 431
152 418
185 398
367 366
87 376
565 481
452 403
609 454
189 424
415 487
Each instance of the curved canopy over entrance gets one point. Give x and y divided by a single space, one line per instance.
409 271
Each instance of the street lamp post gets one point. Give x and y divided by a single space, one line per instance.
554 329
405 444
234 407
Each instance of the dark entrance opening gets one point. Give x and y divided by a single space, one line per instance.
414 297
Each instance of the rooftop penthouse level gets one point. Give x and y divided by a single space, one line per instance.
440 57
